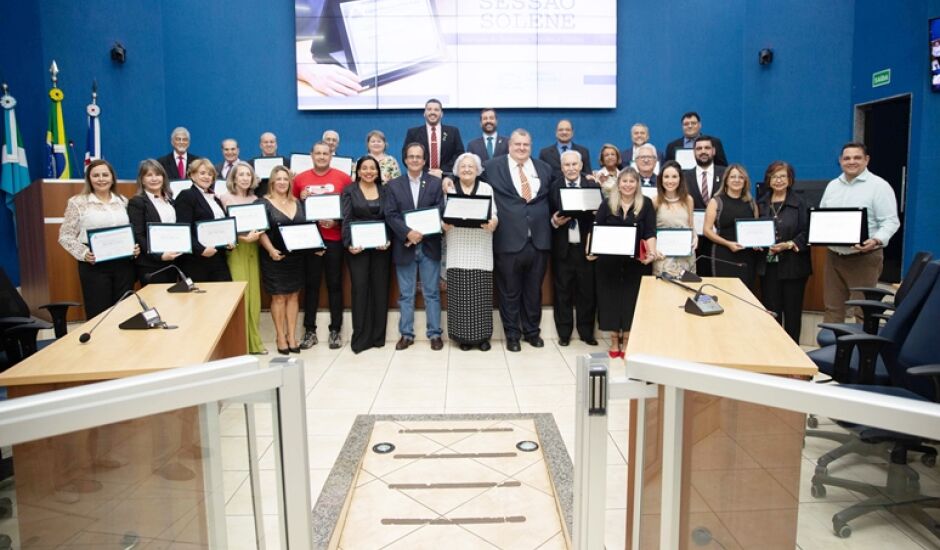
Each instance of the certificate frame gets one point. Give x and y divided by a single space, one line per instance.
355 230
220 221
298 227
467 222
698 221
765 226
178 186
235 209
180 227
581 193
819 217
267 164
343 164
418 212
333 198
667 250
125 231
300 162
625 237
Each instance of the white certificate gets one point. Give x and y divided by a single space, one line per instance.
368 234
755 233
685 158
264 165
698 221
249 217
616 240
323 207
467 211
169 237
176 186
216 233
219 189
426 221
580 200
300 163
343 164
111 243
837 227
674 242
649 192
301 236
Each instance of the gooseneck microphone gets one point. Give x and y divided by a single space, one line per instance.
86 336
183 284
689 277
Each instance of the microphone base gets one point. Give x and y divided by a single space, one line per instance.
689 277
142 321
704 306
183 285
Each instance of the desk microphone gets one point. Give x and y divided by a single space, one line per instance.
701 304
147 318
86 336
183 284
689 277
748 302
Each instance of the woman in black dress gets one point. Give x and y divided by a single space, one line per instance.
282 271
618 277
196 204
787 264
364 200
732 202
152 204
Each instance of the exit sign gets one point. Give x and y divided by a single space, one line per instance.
881 78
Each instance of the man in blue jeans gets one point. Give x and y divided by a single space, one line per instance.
415 253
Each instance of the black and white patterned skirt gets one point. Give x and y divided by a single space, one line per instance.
469 305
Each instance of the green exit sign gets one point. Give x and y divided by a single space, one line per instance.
881 78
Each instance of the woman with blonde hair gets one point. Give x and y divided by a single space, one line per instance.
197 204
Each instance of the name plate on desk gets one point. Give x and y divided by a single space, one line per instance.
301 236
216 233
838 226
755 233
169 237
323 207
249 217
613 240
368 234
111 243
467 211
426 221
577 201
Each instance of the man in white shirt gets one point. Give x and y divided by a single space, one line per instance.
859 265
441 142
703 182
230 152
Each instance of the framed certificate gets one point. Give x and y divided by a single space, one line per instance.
578 201
176 186
674 242
323 207
649 192
216 233
169 237
301 236
838 226
613 240
264 165
219 189
249 217
755 233
426 221
368 234
685 158
343 164
300 162
111 243
467 210
698 221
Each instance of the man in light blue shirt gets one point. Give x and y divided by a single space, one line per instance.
859 265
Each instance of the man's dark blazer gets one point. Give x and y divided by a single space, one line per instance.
451 145
516 217
219 166
398 200
262 188
675 145
652 182
552 157
478 147
168 162
140 212
626 156
693 186
560 246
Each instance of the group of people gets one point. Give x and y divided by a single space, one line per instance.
526 228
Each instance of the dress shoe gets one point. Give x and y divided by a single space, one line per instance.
284 351
295 349
309 340
485 345
437 344
403 343
589 341
465 347
513 345
335 341
613 354
535 341
564 341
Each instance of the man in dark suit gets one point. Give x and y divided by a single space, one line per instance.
692 129
176 163
230 152
551 155
490 144
442 143
521 187
268 145
646 165
573 273
640 136
703 182
414 253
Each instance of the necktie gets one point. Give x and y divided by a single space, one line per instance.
705 196
564 148
489 146
228 168
573 222
526 189
435 161
180 167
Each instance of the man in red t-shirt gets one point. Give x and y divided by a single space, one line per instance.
322 180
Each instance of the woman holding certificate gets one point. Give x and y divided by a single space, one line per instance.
282 271
152 204
197 205
243 261
610 161
674 207
618 277
106 277
368 258
732 202
470 263
787 265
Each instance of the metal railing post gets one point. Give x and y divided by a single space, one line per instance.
590 461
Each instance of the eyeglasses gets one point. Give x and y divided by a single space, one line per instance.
646 157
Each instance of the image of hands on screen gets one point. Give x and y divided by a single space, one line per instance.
387 54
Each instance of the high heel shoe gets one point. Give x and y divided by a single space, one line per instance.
284 351
613 354
294 349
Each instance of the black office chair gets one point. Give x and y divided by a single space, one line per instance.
873 306
914 369
19 329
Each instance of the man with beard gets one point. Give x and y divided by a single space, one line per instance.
490 144
703 182
442 143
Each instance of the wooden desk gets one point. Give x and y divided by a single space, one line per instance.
102 502
741 462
